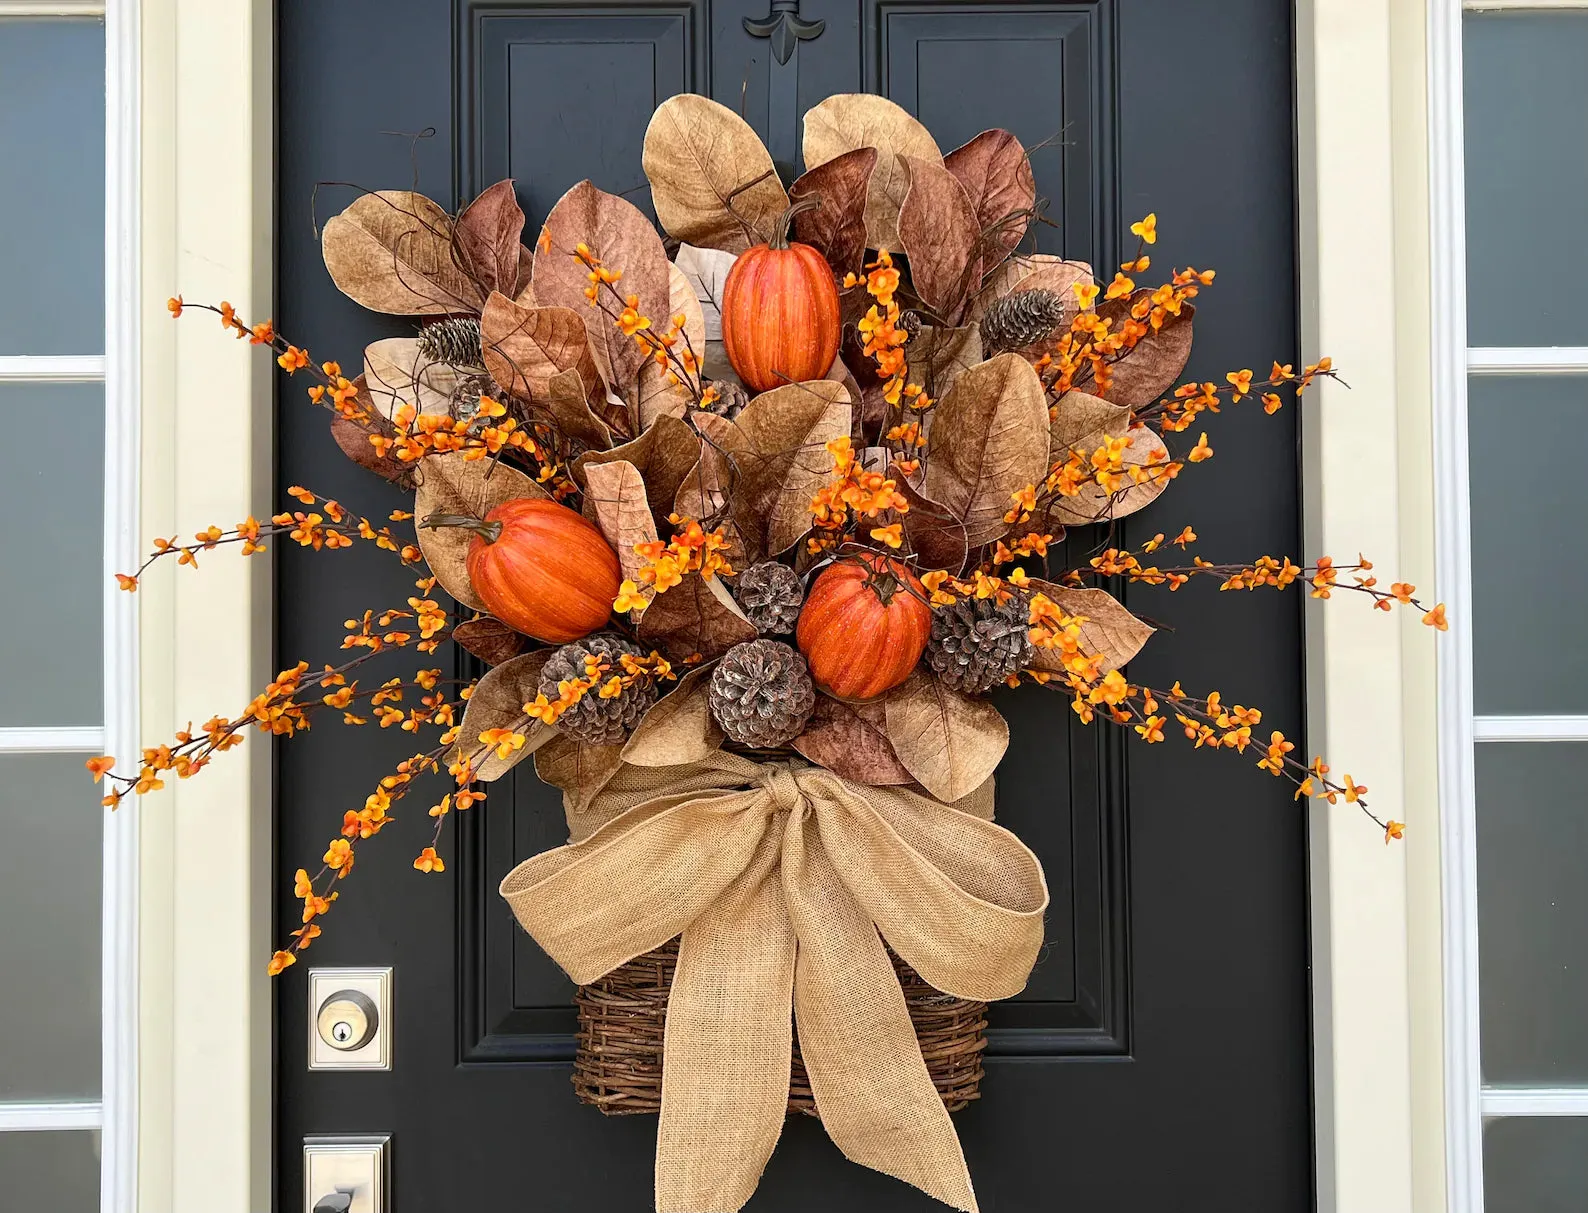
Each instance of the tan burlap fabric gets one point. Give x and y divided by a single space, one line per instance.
779 876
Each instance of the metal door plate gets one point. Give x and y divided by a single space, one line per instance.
359 1164
374 984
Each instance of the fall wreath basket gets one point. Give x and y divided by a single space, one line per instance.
745 527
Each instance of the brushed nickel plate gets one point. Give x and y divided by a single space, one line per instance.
371 988
356 1164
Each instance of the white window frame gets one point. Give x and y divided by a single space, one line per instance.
115 1113
1468 1103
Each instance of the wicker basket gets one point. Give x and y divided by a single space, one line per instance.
618 1063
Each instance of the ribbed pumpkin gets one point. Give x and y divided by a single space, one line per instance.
780 320
543 570
864 626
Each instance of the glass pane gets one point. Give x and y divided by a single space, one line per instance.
52 190
1535 1164
57 1172
1529 545
1532 908
1527 172
52 498
52 823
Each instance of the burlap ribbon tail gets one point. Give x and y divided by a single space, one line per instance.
779 877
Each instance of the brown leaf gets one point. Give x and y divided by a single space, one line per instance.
1150 370
1077 416
498 703
489 639
837 229
1093 503
988 441
580 770
712 181
451 484
657 396
614 498
391 251
526 346
566 400
353 438
696 616
979 803
996 174
781 459
1109 630
1012 274
663 454
706 271
682 301
851 739
849 120
618 233
940 232
704 493
950 742
679 728
396 373
935 356
486 240
937 536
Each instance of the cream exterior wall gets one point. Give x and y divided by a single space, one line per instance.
204 930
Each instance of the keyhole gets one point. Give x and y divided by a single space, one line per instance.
342 1032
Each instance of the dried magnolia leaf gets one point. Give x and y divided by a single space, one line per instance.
950 742
391 251
1012 274
1110 630
712 180
679 728
619 234
580 770
663 454
660 395
1095 504
935 356
487 240
614 497
940 233
1151 369
396 372
1077 416
682 301
989 440
489 639
706 271
526 346
851 739
704 493
938 538
498 703
451 484
996 173
847 121
837 228
566 400
782 459
979 803
697 616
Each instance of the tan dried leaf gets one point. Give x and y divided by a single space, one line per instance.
849 120
487 239
498 703
1109 630
989 440
837 228
391 251
353 439
979 803
568 403
397 373
1011 275
580 770
614 499
678 728
950 742
935 356
1150 370
682 301
936 535
706 271
712 180
526 346
851 739
663 454
696 616
659 396
1077 416
489 639
704 493
940 233
781 459
451 484
1094 504
996 173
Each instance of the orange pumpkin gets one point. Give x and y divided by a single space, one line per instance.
543 570
780 320
864 626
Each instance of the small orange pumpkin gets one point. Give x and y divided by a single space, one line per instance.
864 626
780 319
541 569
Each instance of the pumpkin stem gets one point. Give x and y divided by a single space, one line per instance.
488 531
780 229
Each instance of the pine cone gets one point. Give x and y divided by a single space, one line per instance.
466 395
770 594
731 398
909 324
761 693
977 643
456 340
1021 319
594 720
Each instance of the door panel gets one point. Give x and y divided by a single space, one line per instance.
1159 1058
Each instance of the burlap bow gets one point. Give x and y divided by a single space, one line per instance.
779 878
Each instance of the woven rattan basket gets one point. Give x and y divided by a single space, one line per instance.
618 1063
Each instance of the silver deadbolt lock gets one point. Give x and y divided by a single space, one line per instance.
347 1020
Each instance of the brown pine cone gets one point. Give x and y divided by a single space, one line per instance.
731 398
1021 319
761 693
977 643
593 720
770 594
455 340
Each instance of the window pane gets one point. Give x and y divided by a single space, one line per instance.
1529 545
1535 1164
52 496
57 1172
53 826
52 188
1527 173
1532 910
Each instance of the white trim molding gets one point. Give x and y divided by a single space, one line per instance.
48 740
1536 1101
24 368
52 8
54 1117
1546 360
1530 728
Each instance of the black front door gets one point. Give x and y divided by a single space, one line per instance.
1159 1059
